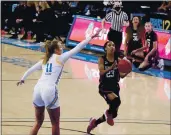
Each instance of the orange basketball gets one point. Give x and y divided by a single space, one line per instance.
124 66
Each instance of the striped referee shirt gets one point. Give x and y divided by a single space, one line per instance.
116 19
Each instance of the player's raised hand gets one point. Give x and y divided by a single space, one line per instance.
20 82
96 34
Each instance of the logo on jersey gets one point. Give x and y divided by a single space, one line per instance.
135 37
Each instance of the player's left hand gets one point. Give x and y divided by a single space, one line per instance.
133 52
123 75
20 82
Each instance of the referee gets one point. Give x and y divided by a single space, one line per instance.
118 19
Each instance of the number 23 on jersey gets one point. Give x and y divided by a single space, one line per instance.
110 74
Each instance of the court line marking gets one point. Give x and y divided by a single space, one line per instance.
75 131
5 80
133 122
49 127
87 119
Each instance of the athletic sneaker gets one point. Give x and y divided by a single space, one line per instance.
109 118
91 125
161 64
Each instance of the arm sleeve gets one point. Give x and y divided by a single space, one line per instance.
108 17
35 67
65 56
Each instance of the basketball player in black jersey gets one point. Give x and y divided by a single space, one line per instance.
108 85
134 37
149 53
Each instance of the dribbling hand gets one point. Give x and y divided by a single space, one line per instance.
20 82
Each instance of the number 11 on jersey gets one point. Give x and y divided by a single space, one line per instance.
49 67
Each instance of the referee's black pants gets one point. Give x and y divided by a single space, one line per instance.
116 37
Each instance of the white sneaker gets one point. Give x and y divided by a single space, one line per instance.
161 64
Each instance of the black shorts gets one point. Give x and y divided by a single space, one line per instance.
116 37
151 59
133 46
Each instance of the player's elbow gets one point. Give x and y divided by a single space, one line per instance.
155 48
103 22
101 72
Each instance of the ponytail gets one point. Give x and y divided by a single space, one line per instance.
47 54
50 47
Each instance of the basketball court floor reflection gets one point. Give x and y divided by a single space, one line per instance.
145 107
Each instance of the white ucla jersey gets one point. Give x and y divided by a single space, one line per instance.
51 71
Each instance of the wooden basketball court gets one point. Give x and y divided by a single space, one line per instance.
145 107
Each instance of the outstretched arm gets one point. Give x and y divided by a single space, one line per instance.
65 56
35 67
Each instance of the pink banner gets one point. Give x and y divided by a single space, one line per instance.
80 27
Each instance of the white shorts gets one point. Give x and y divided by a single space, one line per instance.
45 95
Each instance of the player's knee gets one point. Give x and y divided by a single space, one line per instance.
117 102
144 67
39 123
112 96
55 122
114 104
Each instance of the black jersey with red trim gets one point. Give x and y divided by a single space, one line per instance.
150 38
110 80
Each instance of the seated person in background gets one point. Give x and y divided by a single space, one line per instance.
165 6
134 37
148 53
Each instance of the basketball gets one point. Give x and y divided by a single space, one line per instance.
124 66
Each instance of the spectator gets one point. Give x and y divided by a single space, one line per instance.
165 6
16 20
44 23
22 17
118 19
135 35
148 53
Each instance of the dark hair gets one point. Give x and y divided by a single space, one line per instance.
104 47
140 30
50 47
131 24
115 53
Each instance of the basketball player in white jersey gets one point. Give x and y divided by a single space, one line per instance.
45 91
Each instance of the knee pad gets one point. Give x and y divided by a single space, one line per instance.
117 101
114 107
114 104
